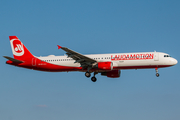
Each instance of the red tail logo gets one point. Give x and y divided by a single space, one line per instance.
18 47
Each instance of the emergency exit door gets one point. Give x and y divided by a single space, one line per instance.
34 62
156 56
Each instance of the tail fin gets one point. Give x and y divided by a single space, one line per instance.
20 52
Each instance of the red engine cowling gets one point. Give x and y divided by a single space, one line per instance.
105 65
112 74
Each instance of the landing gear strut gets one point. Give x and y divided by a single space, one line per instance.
94 78
157 74
88 74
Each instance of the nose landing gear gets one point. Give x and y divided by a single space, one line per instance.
157 74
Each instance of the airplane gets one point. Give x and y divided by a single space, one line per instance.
109 65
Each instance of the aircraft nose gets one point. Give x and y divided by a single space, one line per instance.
174 61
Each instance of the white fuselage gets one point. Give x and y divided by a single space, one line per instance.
119 60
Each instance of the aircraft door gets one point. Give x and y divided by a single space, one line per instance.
156 56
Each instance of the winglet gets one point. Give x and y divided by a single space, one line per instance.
59 47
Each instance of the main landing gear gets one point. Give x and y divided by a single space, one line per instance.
157 74
88 74
94 78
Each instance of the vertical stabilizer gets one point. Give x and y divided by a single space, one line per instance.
19 51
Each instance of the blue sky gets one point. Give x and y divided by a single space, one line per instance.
90 27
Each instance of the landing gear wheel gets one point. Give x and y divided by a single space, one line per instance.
88 74
94 79
157 74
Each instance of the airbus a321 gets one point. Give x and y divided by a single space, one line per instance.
106 64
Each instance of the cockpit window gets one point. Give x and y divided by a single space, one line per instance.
167 56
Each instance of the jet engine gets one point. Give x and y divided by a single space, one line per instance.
112 74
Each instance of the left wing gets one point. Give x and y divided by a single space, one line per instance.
79 58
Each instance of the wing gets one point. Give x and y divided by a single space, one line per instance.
79 58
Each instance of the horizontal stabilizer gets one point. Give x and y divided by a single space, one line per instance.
13 60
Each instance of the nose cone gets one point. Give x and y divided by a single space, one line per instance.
174 61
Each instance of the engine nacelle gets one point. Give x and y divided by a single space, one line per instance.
105 65
112 74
